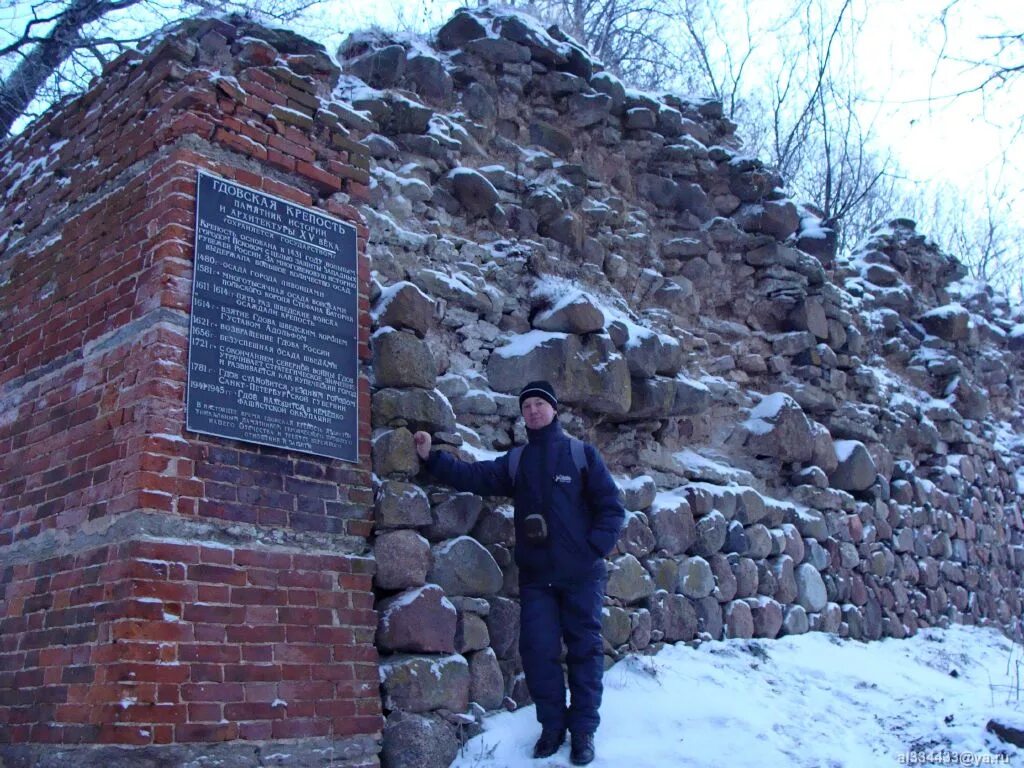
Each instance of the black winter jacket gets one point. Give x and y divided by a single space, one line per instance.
583 509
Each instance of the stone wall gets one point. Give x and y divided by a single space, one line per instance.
179 593
803 442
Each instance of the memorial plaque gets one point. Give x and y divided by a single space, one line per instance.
273 345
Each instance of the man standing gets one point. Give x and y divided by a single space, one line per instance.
567 519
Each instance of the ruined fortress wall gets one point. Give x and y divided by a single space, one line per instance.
804 442
160 588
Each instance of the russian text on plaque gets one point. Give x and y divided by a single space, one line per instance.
273 344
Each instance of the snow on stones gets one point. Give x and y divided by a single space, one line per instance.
777 428
855 470
463 567
421 620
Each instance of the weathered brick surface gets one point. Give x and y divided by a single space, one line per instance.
149 642
108 633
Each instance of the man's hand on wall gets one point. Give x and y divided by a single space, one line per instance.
422 441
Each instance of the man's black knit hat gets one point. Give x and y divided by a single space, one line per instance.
541 389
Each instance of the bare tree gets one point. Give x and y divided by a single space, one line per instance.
785 77
632 37
55 47
979 230
997 61
981 71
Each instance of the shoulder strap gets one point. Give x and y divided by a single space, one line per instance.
577 447
579 454
513 462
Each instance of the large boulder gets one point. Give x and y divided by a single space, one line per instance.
615 625
394 453
696 579
673 527
403 305
575 313
415 408
472 189
403 560
459 30
812 593
628 581
950 322
636 537
739 620
692 397
455 516
398 504
380 68
711 532
418 741
638 493
585 371
855 468
427 76
503 626
767 616
424 683
486 684
421 620
673 615
778 429
651 398
463 567
401 360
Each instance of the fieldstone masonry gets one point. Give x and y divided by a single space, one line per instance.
804 441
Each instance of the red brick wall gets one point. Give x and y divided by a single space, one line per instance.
159 586
153 642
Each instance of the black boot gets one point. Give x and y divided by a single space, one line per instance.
549 742
582 751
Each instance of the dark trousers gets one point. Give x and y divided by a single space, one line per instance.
551 613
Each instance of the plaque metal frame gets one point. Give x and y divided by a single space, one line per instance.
337 240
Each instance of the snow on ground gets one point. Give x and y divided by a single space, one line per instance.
809 700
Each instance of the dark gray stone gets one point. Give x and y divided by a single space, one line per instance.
503 626
427 76
421 620
403 305
628 580
551 138
636 537
424 683
696 579
459 30
402 360
486 684
463 567
711 533
394 453
476 194
673 615
399 505
638 494
403 560
674 528
382 68
418 741
453 517
856 469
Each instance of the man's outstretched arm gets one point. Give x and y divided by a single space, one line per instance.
486 478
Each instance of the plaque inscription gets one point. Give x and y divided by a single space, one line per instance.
273 345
